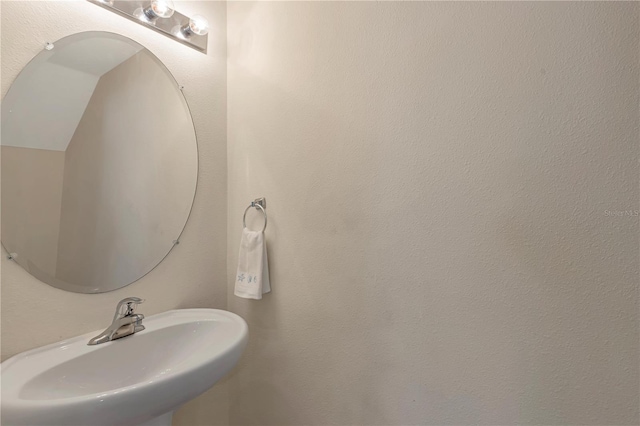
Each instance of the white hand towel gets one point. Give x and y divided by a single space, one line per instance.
252 278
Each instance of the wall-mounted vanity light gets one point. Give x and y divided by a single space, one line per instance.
161 16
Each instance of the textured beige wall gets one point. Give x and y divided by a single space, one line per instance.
129 177
193 275
438 178
35 221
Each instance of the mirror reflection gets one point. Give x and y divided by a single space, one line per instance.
99 163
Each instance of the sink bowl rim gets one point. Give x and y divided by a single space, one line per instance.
153 323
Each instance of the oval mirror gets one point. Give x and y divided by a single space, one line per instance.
99 163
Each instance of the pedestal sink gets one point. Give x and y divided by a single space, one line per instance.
137 380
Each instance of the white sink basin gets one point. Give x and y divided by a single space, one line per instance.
129 381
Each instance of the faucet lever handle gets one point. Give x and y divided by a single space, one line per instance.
126 307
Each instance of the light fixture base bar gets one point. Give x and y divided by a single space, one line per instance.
171 27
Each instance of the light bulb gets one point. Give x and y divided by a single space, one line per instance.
199 25
162 8
159 9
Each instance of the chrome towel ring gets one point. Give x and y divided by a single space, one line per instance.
259 204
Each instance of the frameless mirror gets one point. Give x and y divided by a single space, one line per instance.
99 163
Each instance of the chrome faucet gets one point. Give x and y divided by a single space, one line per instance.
125 322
